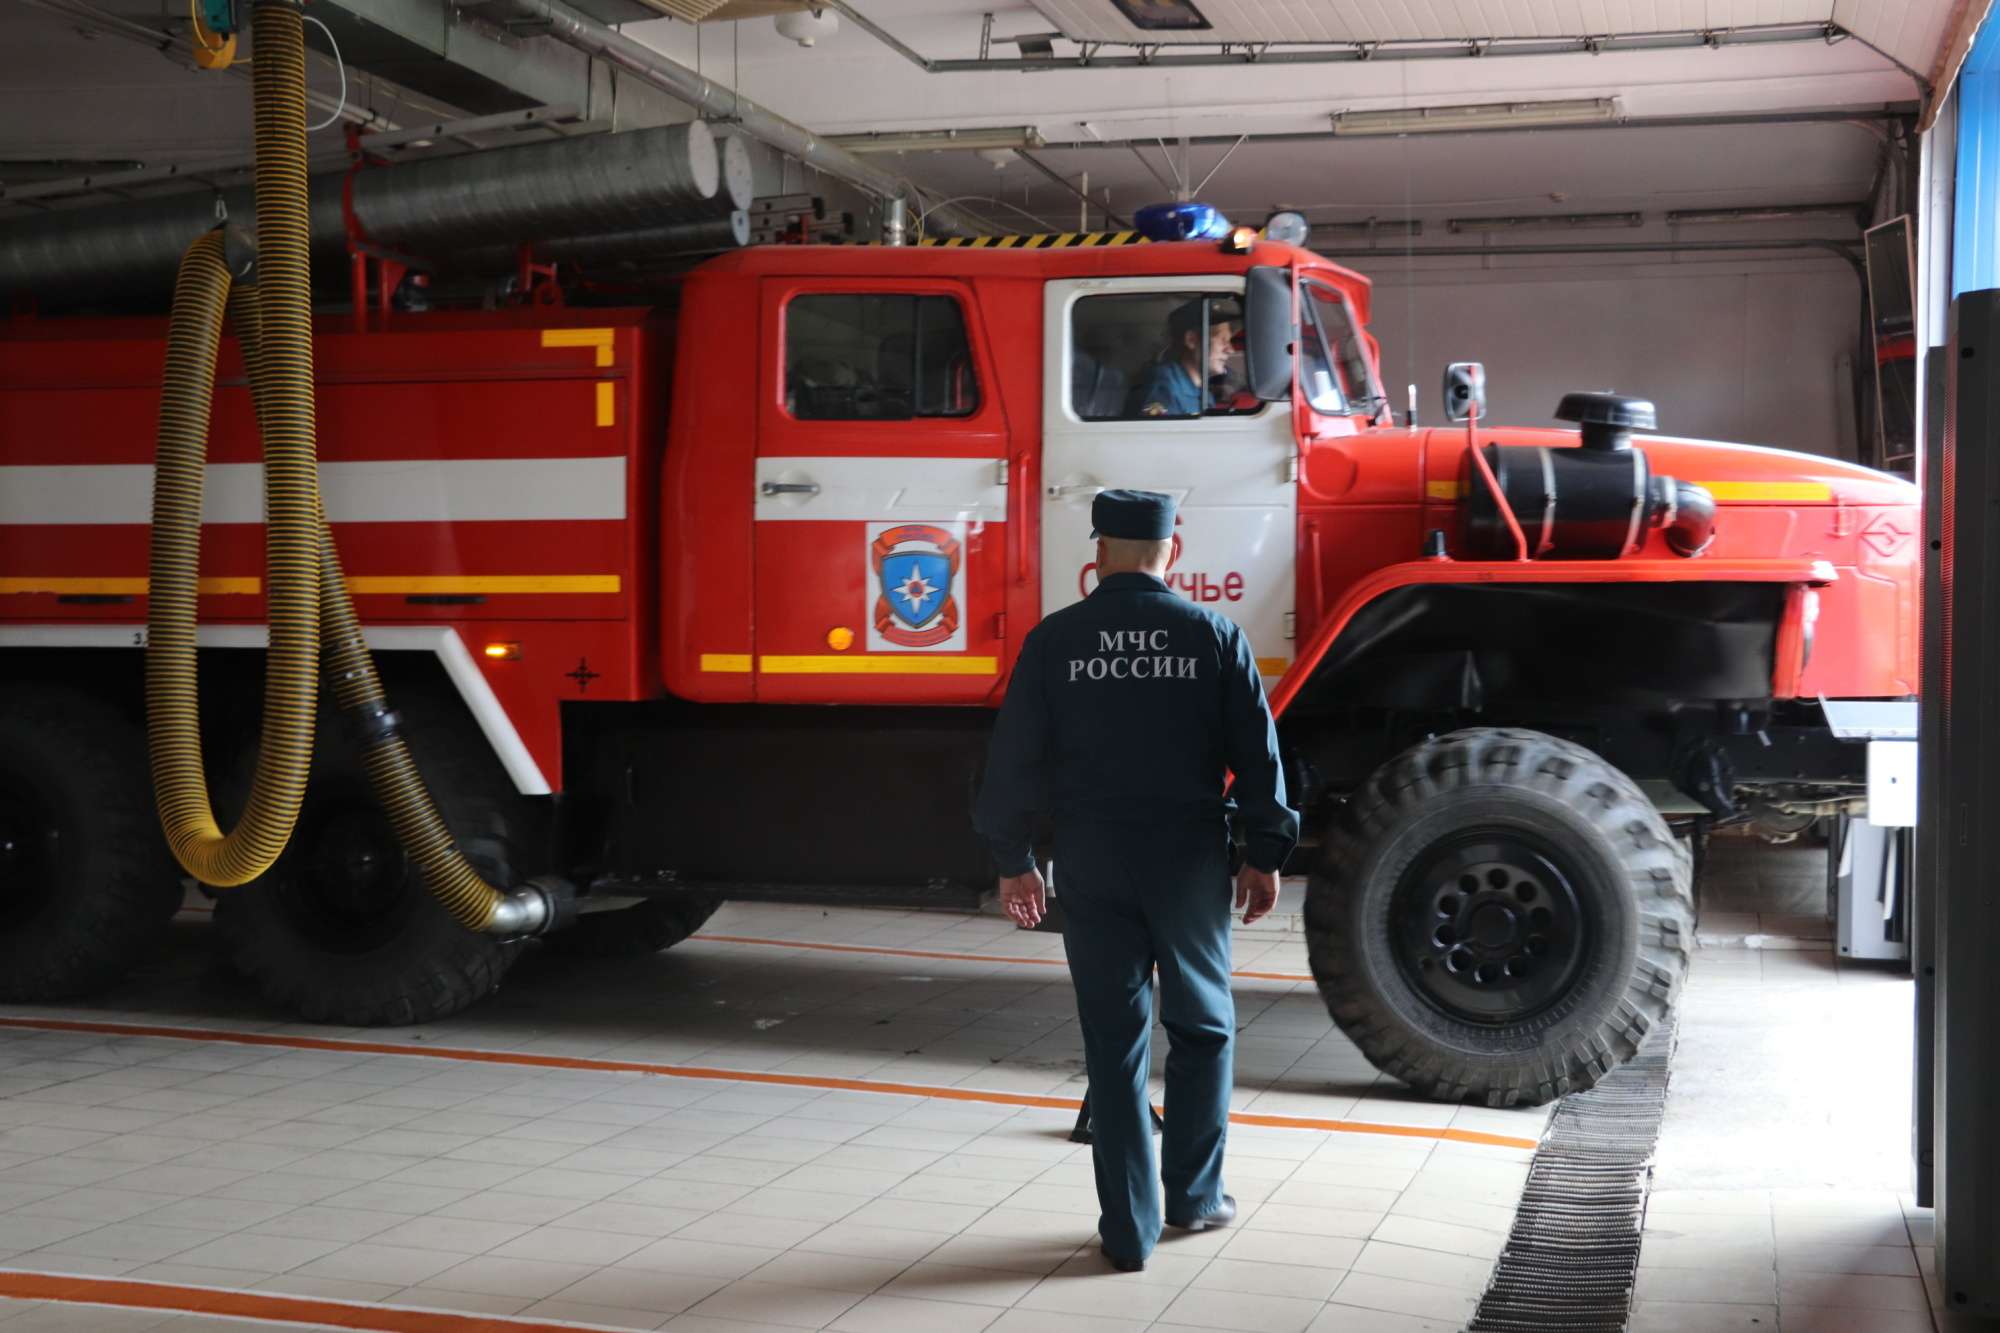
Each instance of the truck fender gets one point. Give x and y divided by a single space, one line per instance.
1797 573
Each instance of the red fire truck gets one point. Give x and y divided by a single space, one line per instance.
717 600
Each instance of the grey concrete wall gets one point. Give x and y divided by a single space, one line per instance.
1761 356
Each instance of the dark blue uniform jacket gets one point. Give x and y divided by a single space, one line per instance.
1130 707
1169 392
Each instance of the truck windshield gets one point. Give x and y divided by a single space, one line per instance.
1337 378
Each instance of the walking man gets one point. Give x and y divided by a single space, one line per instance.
1124 716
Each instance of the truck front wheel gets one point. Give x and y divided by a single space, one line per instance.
1499 916
86 882
342 929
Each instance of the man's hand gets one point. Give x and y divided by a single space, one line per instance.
1256 893
1026 898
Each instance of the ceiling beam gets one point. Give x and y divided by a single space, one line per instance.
1886 113
1177 55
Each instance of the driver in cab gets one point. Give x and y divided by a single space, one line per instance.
1178 384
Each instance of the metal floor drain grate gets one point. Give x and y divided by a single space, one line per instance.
1570 1260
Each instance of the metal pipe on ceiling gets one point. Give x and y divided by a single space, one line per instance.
1890 113
710 98
1150 55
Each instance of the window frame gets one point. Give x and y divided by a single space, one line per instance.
987 407
1186 286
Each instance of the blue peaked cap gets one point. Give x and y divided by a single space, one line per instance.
1140 516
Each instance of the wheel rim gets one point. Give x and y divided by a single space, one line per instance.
1491 928
349 886
30 853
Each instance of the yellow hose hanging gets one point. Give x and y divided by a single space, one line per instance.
291 490
306 591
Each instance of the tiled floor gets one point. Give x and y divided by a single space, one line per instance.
1781 1194
630 1200
566 1193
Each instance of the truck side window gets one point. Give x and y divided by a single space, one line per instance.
877 357
1336 349
1139 356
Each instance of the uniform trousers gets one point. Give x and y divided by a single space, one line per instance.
1136 897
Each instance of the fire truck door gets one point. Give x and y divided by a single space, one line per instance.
1122 408
881 495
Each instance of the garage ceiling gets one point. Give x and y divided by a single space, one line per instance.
1093 119
68 93
1908 31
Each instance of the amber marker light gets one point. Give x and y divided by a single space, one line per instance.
1241 241
840 638
502 652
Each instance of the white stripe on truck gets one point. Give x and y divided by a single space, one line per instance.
414 490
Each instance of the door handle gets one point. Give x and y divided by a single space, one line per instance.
1058 492
790 488
1017 514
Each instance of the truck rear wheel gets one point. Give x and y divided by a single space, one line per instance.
642 928
342 929
86 881
1500 916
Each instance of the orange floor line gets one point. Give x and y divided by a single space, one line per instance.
529 1060
887 952
126 1293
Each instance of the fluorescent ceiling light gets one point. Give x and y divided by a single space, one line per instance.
919 141
1546 222
1484 116
1768 213
1163 15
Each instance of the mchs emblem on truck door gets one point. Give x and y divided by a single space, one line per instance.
919 586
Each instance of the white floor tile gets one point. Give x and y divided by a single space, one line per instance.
776 1303
1200 1307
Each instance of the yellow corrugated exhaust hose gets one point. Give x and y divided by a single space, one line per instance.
306 594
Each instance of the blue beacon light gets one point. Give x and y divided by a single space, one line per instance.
1181 222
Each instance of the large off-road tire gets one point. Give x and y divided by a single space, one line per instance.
1499 916
86 881
642 928
341 929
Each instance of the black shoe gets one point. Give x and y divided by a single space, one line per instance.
1219 1216
1123 1265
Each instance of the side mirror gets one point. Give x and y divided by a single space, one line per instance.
1267 332
1464 390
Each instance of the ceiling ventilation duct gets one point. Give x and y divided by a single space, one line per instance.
426 207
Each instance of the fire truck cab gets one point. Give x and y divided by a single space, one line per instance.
716 600
986 397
